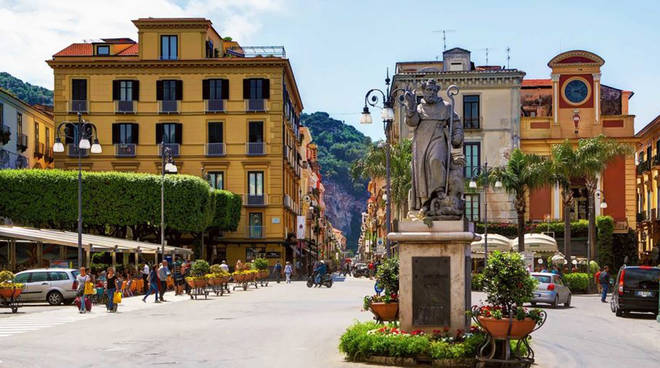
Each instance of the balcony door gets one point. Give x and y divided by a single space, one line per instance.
255 188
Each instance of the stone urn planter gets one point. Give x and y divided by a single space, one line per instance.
499 328
385 311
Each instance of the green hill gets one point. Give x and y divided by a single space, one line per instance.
25 91
339 145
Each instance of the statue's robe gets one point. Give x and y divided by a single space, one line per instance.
429 149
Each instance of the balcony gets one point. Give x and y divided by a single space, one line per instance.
643 167
49 156
173 147
215 105
76 106
168 106
125 107
215 149
39 149
255 105
22 142
255 231
656 161
72 151
125 149
250 200
255 148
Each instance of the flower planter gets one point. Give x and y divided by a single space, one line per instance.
10 292
498 328
385 311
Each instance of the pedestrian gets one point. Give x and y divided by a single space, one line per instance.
371 270
239 266
287 272
152 280
145 276
597 281
298 271
277 270
163 272
111 286
604 281
178 277
82 279
224 266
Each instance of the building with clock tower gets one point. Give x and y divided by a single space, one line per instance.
574 104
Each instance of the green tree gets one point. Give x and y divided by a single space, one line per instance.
564 161
522 174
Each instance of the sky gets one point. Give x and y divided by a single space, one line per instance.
340 49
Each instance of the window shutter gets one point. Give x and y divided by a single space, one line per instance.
246 89
135 130
178 130
179 90
159 133
115 133
115 90
225 89
159 90
136 90
206 86
266 88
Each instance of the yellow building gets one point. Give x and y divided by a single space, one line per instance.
648 189
229 113
573 104
26 134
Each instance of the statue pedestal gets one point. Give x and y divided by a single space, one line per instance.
434 274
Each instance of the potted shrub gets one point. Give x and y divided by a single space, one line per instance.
199 268
8 288
508 285
386 306
261 265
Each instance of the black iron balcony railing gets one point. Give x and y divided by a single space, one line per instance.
125 149
78 106
174 149
215 149
22 142
125 107
72 151
215 105
255 105
656 160
643 167
169 106
255 148
255 231
255 200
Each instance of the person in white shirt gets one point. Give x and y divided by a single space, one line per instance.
224 266
287 272
145 276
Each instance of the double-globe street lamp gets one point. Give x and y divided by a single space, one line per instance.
477 173
167 166
82 132
387 115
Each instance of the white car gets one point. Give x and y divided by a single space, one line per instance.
551 290
52 285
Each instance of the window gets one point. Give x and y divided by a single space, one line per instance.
641 157
125 90
472 151
169 133
472 206
216 179
256 132
256 225
255 183
39 276
79 89
57 276
47 137
169 90
215 133
215 89
23 278
103 50
124 133
209 49
256 88
19 124
471 112
168 47
36 134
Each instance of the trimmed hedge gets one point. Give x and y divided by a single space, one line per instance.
605 231
576 281
48 198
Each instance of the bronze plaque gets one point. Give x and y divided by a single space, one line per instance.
431 291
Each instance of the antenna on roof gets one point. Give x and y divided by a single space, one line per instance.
444 37
486 49
508 56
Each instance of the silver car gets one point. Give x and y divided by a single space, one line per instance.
52 285
551 290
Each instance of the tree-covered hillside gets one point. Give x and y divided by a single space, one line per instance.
25 91
339 145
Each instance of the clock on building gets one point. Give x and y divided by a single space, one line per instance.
576 91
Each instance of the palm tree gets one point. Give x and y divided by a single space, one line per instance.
521 174
563 169
592 156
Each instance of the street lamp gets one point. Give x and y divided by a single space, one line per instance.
484 171
167 165
371 98
83 131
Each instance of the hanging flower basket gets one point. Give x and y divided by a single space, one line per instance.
499 328
385 311
10 292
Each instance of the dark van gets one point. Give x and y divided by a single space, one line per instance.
636 290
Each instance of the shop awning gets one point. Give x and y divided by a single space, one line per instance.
539 243
495 242
95 243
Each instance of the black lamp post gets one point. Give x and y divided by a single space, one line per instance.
387 115
484 172
83 132
167 165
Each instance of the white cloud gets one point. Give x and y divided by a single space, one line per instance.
32 31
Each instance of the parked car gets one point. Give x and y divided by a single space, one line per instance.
551 290
52 285
635 290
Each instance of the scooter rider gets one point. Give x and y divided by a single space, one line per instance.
320 270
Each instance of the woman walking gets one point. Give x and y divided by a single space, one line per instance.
287 272
111 286
82 279
153 284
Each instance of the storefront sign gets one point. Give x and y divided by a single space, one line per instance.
273 254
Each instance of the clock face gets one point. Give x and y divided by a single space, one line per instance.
576 91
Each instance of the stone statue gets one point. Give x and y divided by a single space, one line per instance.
437 155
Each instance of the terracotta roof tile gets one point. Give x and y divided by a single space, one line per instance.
537 83
131 51
77 49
